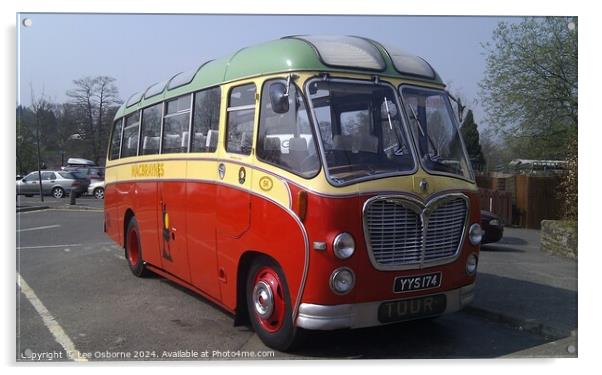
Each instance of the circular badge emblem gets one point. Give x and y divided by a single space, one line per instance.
265 183
242 175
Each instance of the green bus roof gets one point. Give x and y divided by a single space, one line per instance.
295 53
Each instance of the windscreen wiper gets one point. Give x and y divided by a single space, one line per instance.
400 142
423 131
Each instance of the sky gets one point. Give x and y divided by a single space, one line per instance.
139 50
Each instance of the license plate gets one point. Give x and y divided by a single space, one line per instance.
414 308
419 282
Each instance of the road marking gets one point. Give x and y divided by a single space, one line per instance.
32 211
48 246
95 210
38 228
55 246
79 209
49 321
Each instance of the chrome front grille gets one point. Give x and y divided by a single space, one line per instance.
392 227
403 232
444 230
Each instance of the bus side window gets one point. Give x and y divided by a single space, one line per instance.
241 113
176 124
150 131
205 122
115 140
129 143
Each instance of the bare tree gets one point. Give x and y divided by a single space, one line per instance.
26 141
39 106
108 96
93 98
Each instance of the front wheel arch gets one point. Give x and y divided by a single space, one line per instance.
281 333
244 264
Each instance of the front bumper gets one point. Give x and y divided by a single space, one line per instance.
358 315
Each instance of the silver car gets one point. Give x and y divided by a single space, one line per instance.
97 189
55 183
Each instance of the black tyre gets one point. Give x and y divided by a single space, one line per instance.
269 305
133 249
58 192
99 193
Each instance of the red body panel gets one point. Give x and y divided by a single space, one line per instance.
172 199
273 231
201 243
326 217
216 224
146 203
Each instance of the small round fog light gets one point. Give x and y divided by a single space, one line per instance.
342 280
475 234
471 264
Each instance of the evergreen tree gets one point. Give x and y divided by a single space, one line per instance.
470 134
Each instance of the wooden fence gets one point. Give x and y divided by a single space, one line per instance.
521 200
498 202
536 200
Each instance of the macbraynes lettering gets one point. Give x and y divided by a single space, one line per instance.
148 170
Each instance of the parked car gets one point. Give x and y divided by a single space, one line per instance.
97 189
92 173
80 162
492 225
55 183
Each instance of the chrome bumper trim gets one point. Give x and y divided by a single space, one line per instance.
358 315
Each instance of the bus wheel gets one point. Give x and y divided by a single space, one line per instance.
133 249
269 305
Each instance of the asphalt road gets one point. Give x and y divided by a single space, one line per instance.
78 293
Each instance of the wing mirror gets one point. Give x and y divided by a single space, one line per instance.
279 97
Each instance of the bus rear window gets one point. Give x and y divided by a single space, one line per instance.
116 140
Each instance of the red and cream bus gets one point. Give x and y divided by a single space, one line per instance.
311 182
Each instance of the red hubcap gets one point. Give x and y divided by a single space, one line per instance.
132 243
268 299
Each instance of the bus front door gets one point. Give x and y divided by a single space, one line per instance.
173 228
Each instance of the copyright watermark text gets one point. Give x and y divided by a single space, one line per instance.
100 355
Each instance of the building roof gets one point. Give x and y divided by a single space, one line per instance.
292 53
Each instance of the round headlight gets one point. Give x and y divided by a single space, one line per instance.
475 234
342 280
471 264
343 245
